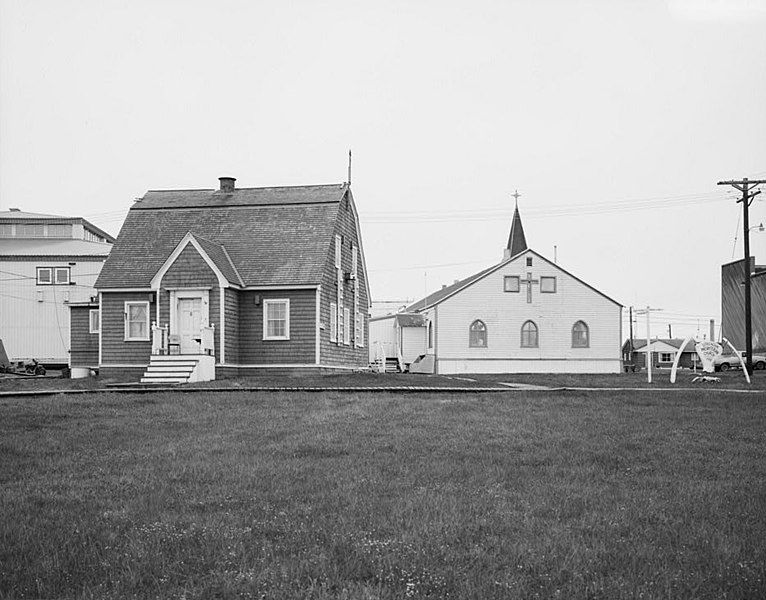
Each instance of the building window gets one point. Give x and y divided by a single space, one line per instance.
30 231
580 335
337 251
276 319
95 323
666 357
59 231
529 335
346 326
477 335
44 276
136 321
333 322
548 285
6 230
62 275
354 261
359 333
511 283
529 261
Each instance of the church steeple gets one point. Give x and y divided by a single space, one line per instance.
516 240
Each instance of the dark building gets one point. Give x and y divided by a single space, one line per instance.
733 304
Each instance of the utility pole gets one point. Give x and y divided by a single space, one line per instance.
630 346
745 185
670 331
648 311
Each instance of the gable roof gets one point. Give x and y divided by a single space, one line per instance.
456 287
259 236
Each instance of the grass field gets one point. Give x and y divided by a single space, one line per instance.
545 495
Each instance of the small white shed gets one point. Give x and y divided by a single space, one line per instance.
402 335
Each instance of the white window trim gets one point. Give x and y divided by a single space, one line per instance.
50 273
672 356
333 322
56 275
127 327
91 312
346 326
354 261
266 304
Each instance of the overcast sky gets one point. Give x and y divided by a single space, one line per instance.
613 119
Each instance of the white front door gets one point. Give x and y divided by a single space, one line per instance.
189 313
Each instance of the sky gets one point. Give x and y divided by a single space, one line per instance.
614 120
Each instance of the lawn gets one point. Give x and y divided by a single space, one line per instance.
510 495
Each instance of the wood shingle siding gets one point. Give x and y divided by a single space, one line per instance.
332 353
114 348
231 316
299 349
84 345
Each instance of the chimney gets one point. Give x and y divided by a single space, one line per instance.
14 209
227 183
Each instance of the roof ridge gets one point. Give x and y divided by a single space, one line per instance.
265 187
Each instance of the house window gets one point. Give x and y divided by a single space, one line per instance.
548 285
511 283
354 261
346 326
6 230
136 321
580 337
529 261
337 251
477 335
44 276
62 275
59 231
276 319
333 322
30 231
529 335
95 323
666 357
359 333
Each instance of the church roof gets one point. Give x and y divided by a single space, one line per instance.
516 240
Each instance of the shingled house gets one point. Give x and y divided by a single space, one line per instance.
219 283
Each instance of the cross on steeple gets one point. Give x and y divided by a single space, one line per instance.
529 283
516 196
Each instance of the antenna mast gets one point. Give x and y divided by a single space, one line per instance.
349 167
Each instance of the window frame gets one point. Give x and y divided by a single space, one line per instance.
346 326
473 340
507 279
548 277
529 261
273 302
127 337
333 322
537 335
91 312
50 275
68 271
338 251
670 354
587 335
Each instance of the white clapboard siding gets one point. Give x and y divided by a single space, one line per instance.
36 325
504 313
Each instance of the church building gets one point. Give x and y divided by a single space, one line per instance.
524 314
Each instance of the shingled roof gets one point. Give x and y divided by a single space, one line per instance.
261 236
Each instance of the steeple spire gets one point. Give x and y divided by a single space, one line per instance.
516 240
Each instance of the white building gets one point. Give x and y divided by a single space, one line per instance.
46 262
522 315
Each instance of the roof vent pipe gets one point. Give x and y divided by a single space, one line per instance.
227 183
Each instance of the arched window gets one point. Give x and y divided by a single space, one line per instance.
529 335
580 335
477 335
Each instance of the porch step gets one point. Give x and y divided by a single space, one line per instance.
162 369
392 365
